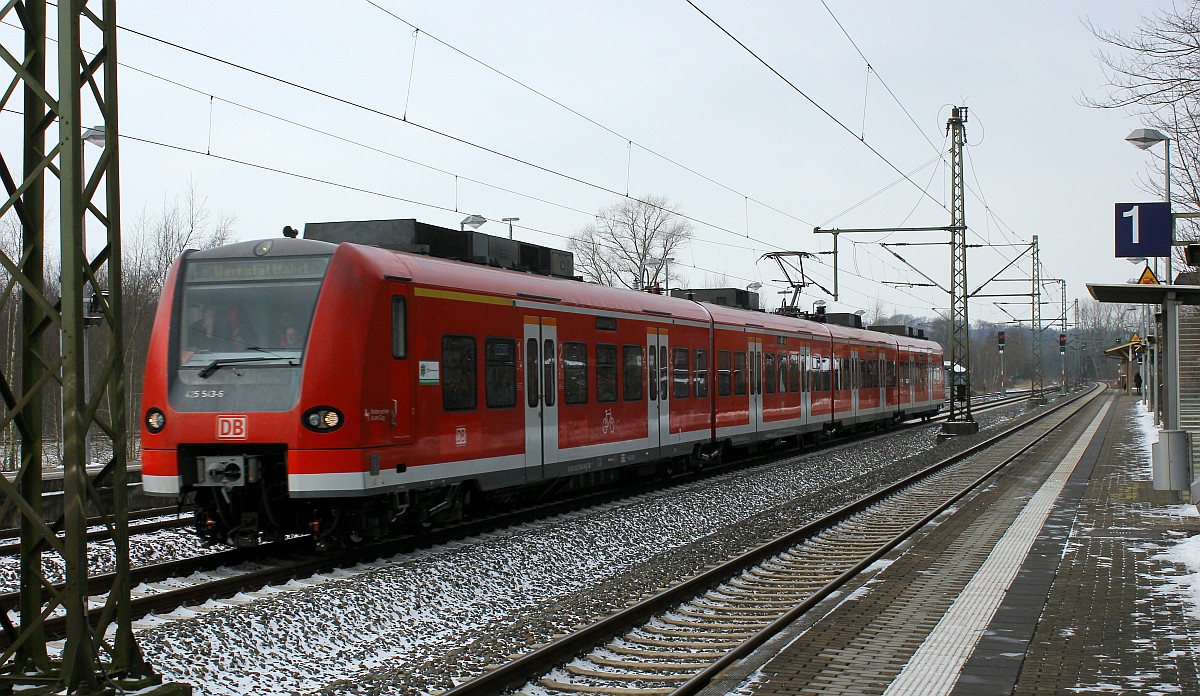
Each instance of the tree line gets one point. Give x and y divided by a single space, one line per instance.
149 246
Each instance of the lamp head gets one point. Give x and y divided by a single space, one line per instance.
1144 138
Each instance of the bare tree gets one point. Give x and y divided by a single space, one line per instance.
151 247
1154 72
630 242
877 310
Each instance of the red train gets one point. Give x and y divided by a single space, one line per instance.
298 386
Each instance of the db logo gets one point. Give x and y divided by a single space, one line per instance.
231 427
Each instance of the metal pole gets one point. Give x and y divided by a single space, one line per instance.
1078 351
31 656
1145 358
1155 366
1171 378
89 662
1167 196
960 343
1038 384
1003 390
1062 387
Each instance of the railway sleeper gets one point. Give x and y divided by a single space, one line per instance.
722 614
713 639
626 676
741 598
799 580
733 609
649 666
699 655
719 625
799 590
569 687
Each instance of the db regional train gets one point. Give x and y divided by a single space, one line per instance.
343 389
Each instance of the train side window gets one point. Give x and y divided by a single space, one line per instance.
700 374
575 372
606 372
501 365
663 371
739 372
531 373
549 379
459 373
681 372
724 384
794 374
769 370
399 327
652 372
754 367
631 361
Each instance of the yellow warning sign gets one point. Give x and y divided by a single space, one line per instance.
1135 339
1148 277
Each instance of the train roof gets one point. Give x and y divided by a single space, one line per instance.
461 276
467 277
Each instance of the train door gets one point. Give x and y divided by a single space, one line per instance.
805 386
541 395
756 405
881 365
911 379
401 385
658 381
855 381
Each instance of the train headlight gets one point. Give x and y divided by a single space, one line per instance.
322 419
155 420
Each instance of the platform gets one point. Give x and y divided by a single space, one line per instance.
1067 575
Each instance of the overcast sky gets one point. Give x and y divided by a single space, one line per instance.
766 163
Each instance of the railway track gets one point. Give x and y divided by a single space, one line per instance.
193 581
141 521
97 532
676 640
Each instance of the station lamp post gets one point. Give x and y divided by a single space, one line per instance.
1143 139
753 287
510 221
665 263
472 221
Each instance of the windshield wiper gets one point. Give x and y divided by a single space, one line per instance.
222 362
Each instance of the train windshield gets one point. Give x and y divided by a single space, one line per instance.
240 321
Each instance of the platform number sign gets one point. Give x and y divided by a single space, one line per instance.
1143 229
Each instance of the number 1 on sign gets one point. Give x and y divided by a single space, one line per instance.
1133 213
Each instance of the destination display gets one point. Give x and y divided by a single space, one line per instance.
294 268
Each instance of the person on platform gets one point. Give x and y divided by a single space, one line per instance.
1137 383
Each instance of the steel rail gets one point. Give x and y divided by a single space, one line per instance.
295 558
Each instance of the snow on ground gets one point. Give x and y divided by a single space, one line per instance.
419 621
1185 552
